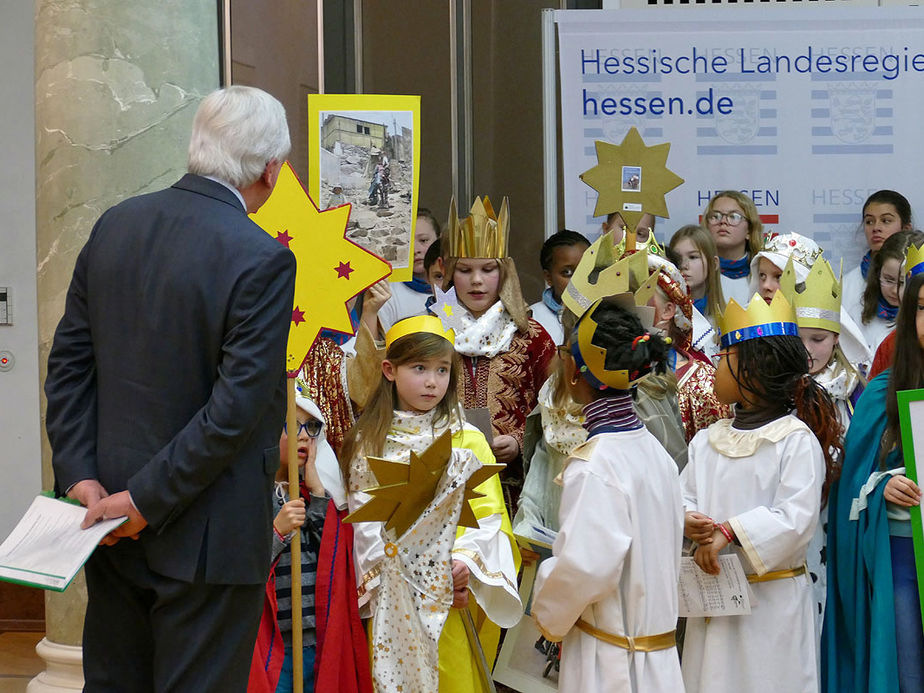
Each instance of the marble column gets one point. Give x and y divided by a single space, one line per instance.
116 87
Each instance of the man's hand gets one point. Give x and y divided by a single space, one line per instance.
88 492
707 555
111 507
505 448
460 577
698 527
290 516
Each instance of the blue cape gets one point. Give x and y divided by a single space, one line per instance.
858 649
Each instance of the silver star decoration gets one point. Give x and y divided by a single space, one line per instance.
448 309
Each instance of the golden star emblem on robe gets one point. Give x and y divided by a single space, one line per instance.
406 488
331 269
631 179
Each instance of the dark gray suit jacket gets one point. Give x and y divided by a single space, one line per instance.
167 375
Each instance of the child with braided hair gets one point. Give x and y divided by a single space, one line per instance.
621 520
754 485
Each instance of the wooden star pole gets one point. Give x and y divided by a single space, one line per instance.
323 256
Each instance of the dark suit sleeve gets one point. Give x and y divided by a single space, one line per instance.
252 364
70 387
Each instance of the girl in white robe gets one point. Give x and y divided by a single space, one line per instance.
754 486
616 559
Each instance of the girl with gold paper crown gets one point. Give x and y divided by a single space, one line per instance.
505 354
609 591
656 402
754 485
408 584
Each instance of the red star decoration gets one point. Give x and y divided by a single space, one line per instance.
298 316
343 270
284 237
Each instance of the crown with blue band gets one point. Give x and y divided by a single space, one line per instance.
759 320
914 260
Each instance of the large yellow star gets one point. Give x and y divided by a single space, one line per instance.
617 164
331 269
406 488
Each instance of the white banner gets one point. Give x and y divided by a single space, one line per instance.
806 110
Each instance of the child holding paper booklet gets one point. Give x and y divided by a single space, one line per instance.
754 485
612 579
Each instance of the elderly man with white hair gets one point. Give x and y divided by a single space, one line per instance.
166 393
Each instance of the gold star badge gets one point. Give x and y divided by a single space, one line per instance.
406 488
631 179
330 268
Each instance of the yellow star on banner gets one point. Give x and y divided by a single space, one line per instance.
331 269
406 488
631 179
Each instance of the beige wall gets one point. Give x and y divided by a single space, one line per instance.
406 50
274 46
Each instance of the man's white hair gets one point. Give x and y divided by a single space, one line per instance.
236 132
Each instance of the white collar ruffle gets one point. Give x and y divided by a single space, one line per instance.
737 443
487 336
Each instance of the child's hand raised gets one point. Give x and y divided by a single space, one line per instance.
290 516
698 527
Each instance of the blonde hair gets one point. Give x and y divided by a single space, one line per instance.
754 242
368 434
705 244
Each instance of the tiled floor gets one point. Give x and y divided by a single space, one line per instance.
18 661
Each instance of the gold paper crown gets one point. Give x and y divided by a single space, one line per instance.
819 303
591 359
914 260
418 323
599 274
759 320
482 234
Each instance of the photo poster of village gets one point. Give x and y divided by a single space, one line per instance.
367 149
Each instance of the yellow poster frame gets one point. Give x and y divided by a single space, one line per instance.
318 103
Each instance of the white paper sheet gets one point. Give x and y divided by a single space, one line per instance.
47 546
725 594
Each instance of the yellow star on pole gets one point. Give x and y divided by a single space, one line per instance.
406 488
631 179
331 269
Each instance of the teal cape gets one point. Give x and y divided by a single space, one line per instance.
858 648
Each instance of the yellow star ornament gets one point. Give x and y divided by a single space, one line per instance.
631 179
406 488
330 268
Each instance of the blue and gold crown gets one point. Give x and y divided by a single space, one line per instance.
914 260
759 320
418 323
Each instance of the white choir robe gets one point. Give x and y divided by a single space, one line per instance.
767 484
615 564
550 321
